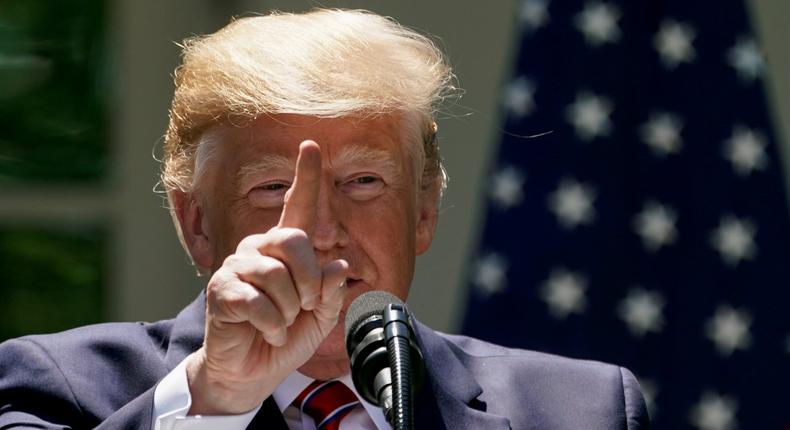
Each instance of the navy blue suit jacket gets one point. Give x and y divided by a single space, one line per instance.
104 376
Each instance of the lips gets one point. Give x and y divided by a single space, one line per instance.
353 282
356 287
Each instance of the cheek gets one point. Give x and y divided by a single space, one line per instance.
386 233
240 222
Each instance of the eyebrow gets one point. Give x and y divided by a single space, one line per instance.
356 154
265 163
349 154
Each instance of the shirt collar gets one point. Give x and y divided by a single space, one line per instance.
285 394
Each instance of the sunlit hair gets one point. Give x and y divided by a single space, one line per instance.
324 63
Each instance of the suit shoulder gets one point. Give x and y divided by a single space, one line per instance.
101 339
472 348
587 389
87 375
66 366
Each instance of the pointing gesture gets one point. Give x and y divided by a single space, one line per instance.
269 306
300 207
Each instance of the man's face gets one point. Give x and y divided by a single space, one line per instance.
370 210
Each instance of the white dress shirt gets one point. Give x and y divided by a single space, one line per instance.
172 402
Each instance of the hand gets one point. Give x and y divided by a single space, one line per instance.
269 306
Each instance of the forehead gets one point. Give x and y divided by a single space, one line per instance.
281 135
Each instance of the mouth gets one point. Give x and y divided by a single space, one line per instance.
355 288
353 282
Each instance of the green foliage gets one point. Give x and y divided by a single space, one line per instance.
53 92
49 280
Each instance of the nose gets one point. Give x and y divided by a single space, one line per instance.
330 225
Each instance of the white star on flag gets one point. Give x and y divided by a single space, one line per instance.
589 115
490 274
746 59
519 97
662 133
572 203
673 43
655 224
734 239
564 293
714 412
745 149
534 14
506 187
598 23
642 311
729 330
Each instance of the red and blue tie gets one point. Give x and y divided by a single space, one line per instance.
327 402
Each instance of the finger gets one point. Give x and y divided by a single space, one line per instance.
273 278
301 200
266 318
295 250
239 302
333 290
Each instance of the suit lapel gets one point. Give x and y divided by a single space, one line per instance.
451 389
268 417
187 333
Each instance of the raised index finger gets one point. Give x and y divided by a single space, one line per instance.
301 201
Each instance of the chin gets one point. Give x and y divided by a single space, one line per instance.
334 346
330 359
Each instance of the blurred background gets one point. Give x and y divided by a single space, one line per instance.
617 182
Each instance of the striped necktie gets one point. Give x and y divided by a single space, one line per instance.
327 402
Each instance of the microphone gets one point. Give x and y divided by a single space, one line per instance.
386 363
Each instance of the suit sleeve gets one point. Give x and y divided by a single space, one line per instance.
34 393
637 417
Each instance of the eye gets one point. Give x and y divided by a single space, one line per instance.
363 187
268 195
273 187
366 180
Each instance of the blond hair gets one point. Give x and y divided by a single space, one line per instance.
324 63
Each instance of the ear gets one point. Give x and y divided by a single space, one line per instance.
428 213
189 215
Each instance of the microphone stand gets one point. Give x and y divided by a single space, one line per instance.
398 336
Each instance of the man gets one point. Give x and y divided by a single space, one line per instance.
302 169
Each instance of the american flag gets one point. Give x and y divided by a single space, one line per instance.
636 212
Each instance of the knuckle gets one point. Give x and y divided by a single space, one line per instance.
217 284
251 242
273 270
232 261
234 301
293 239
225 303
255 305
260 309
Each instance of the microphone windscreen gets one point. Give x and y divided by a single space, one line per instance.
365 306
